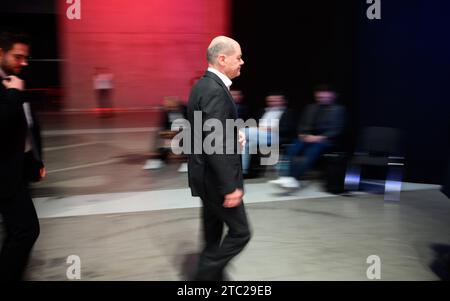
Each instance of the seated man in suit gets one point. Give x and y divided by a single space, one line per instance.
320 126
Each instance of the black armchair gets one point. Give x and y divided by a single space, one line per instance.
380 147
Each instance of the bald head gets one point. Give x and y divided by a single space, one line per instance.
220 45
225 55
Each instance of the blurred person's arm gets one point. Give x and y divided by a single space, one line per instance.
168 134
286 129
314 138
13 99
337 123
304 127
242 139
164 130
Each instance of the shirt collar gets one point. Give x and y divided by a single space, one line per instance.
222 77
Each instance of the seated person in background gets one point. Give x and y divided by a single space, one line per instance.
241 107
320 126
173 109
275 114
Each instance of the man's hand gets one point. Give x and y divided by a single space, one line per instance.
312 138
242 139
168 134
42 172
233 199
13 82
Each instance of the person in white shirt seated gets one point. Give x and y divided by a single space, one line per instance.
275 118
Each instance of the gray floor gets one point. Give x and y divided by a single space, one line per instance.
126 223
306 239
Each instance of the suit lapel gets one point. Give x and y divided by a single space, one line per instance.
220 82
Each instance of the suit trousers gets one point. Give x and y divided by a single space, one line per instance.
218 252
22 230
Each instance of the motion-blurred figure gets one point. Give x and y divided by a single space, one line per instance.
103 87
276 116
241 107
320 126
217 178
173 110
20 159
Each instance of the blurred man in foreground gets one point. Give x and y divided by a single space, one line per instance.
20 159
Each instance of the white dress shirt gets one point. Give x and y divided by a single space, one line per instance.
222 77
271 117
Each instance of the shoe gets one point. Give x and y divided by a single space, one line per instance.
153 164
290 183
183 167
225 277
279 181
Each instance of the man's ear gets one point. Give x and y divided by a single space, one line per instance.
221 59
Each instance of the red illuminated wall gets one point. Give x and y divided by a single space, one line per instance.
153 47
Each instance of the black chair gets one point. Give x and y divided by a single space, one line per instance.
379 147
334 171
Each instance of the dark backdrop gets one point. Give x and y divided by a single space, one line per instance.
403 64
389 72
38 19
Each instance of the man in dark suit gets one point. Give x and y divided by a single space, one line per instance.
216 177
19 159
320 126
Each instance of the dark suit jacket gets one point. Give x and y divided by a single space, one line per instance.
13 131
211 97
330 123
